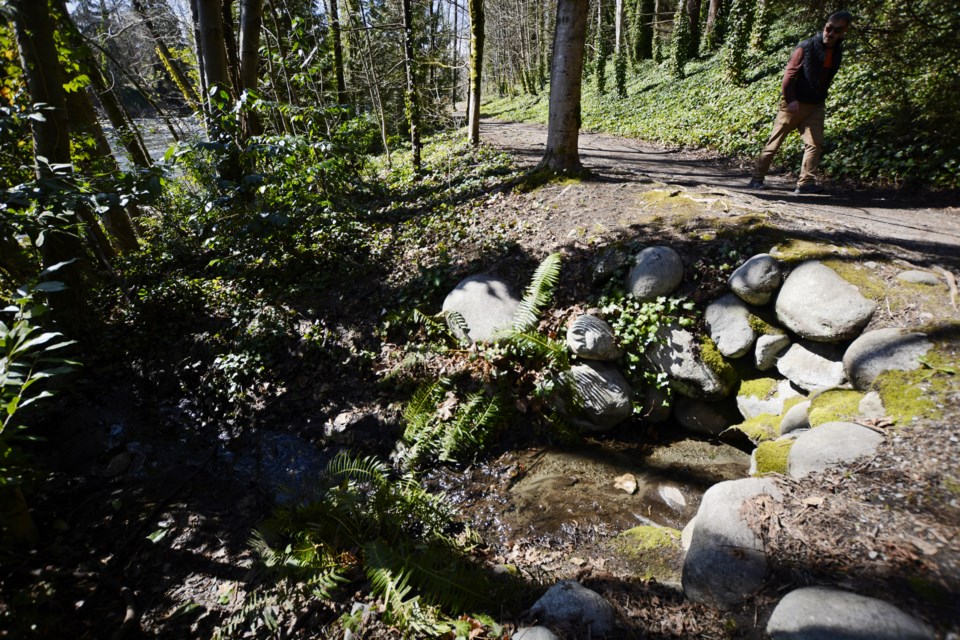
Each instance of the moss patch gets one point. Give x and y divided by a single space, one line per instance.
794 251
771 456
712 357
765 426
867 281
763 328
834 405
761 388
651 552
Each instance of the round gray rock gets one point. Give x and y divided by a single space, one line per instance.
883 350
797 417
486 303
676 353
830 445
821 613
818 304
809 370
728 320
726 561
569 602
918 277
534 633
605 392
768 348
657 271
592 338
757 279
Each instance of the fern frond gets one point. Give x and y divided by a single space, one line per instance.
423 405
458 326
537 345
346 467
474 422
538 294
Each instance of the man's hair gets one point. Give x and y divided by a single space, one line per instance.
844 15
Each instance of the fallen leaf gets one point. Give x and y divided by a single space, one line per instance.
813 501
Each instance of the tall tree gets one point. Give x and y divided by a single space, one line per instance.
566 73
51 140
335 36
411 101
215 70
713 31
251 17
476 68
166 58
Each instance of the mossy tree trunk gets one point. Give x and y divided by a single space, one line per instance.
476 69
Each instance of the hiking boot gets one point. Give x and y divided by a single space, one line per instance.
805 189
756 183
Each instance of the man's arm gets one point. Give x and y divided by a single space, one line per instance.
789 85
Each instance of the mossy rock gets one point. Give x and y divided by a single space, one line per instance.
761 388
651 552
763 328
835 405
771 456
765 426
712 357
793 251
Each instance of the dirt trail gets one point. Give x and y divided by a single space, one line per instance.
922 227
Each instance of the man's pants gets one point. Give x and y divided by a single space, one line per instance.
808 120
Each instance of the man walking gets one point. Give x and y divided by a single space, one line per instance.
806 82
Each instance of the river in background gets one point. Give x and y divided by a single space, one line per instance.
157 136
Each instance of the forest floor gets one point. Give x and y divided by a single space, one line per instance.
167 551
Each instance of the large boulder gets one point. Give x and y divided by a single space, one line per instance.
726 561
816 613
883 350
657 271
757 279
570 603
591 338
830 445
819 305
695 370
728 320
606 394
809 370
485 302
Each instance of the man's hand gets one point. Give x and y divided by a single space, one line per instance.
793 107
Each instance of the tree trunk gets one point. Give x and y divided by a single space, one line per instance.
617 26
51 141
412 101
710 39
693 14
476 69
215 71
198 45
163 52
251 15
455 43
566 73
333 8
230 45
